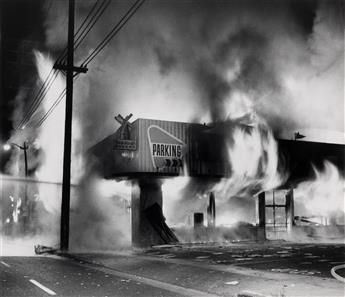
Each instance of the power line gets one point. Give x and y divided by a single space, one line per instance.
64 52
132 10
39 97
32 103
88 15
44 93
51 109
94 20
79 39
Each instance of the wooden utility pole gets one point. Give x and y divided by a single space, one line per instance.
66 180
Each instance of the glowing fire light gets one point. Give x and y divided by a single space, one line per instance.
6 147
51 133
253 157
324 194
51 138
15 204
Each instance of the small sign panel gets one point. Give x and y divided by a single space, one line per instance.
166 149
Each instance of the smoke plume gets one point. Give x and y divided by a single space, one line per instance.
205 54
267 65
240 61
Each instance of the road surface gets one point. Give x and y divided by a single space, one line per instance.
302 259
45 276
199 270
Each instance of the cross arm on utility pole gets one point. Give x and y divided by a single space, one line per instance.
25 146
80 69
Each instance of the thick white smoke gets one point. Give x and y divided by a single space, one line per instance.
100 216
203 61
203 53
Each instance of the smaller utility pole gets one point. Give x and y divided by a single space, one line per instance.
25 206
66 180
25 148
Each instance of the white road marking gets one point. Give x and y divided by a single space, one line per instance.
5 264
36 283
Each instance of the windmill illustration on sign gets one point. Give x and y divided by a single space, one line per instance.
166 149
124 142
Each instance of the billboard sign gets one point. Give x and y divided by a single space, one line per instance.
166 149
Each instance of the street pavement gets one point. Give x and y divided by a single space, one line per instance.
301 259
47 276
238 269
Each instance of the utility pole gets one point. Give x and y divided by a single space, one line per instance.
25 148
66 180
25 207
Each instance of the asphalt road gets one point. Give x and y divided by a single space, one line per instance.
196 270
302 259
243 269
44 276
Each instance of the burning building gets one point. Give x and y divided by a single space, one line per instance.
217 62
149 151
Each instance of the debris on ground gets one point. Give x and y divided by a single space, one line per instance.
233 283
41 249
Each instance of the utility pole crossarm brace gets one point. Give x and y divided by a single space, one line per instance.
64 67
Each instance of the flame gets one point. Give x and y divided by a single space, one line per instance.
229 218
51 139
16 210
15 205
323 195
253 157
52 131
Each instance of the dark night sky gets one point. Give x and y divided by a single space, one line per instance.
21 32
